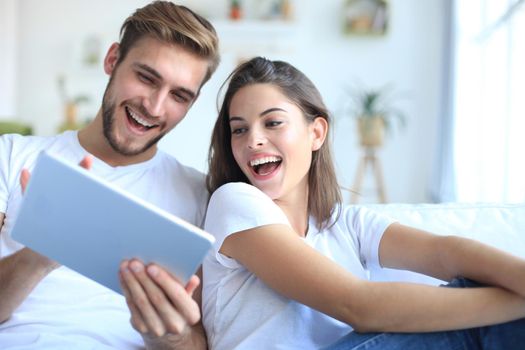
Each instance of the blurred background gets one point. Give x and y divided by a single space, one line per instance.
444 76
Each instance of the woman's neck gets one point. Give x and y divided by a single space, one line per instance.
295 207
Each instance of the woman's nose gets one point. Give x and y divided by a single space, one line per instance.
257 139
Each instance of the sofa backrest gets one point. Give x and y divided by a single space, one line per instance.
499 225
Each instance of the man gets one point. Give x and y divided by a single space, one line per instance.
165 55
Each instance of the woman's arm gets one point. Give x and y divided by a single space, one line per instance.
276 255
447 257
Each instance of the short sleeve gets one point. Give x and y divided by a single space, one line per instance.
5 157
369 226
236 207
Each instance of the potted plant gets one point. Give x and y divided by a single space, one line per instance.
374 114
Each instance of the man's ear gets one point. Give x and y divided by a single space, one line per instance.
319 129
111 59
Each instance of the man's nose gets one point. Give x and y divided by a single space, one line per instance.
155 103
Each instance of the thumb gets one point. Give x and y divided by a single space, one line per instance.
25 175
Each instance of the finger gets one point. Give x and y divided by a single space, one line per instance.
178 295
25 175
172 319
86 162
141 300
136 318
193 283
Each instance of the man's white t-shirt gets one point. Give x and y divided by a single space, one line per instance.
242 312
67 310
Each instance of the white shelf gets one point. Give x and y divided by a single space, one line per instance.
253 29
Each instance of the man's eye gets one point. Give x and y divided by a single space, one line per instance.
180 97
145 78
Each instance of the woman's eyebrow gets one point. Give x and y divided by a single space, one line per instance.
270 110
262 114
232 119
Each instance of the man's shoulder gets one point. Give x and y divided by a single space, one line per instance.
17 151
18 147
174 166
21 143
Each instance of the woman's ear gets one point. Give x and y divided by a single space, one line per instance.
319 129
111 59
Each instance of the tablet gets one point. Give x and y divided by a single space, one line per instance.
87 224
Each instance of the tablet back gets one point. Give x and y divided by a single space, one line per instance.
83 222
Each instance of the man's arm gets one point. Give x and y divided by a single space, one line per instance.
20 273
166 313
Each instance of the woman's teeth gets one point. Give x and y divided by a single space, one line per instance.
264 160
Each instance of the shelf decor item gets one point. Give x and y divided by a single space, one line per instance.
364 17
235 10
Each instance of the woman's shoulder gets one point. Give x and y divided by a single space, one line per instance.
242 199
238 206
237 187
235 190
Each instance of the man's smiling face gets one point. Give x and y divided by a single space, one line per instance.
149 93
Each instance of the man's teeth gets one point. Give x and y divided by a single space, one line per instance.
264 160
139 119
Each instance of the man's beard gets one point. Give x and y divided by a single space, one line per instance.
108 117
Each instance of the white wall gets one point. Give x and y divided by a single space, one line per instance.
409 57
8 51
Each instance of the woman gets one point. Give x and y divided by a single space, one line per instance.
289 266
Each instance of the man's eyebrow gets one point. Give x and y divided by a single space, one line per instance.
149 70
191 94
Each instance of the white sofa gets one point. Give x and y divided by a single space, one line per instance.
500 225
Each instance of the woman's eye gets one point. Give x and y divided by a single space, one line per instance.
273 123
238 131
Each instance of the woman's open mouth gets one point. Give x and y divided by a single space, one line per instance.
265 165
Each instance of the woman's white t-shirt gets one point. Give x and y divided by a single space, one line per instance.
242 312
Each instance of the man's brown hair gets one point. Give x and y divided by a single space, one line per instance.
172 24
